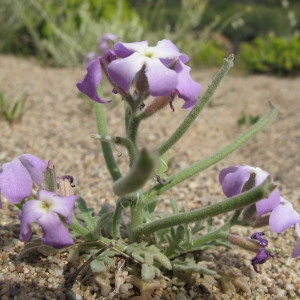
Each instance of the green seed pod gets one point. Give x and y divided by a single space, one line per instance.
140 172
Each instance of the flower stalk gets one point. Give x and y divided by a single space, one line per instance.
106 147
230 204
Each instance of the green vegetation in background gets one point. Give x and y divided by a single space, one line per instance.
272 55
13 110
62 32
180 21
262 18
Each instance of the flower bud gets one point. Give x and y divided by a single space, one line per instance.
244 243
50 178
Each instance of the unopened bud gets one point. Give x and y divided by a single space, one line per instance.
141 82
244 242
50 178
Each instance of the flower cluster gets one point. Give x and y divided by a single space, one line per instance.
237 179
18 179
163 67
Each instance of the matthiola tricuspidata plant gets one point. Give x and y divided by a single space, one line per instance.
147 79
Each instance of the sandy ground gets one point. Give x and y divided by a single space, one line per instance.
59 128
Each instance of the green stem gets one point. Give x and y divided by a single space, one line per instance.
126 116
133 126
136 208
106 147
234 203
187 122
211 160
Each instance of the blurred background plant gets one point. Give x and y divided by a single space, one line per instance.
62 32
13 110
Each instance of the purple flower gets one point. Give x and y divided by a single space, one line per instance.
236 179
258 236
46 211
262 256
89 84
18 177
163 67
163 78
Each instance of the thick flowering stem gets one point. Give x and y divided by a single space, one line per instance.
133 126
211 160
136 208
106 147
230 204
180 131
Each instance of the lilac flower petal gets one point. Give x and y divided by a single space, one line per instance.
224 172
55 233
283 217
126 49
268 204
45 212
60 205
35 166
89 84
162 80
31 211
258 236
123 71
260 176
262 256
15 181
233 179
166 49
187 88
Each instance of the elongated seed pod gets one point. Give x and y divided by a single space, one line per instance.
140 172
